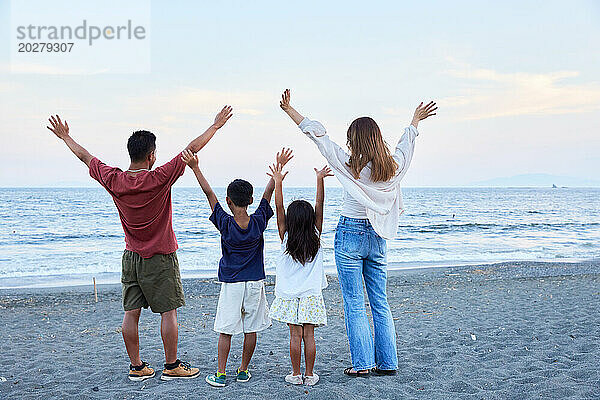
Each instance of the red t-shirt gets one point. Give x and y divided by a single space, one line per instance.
144 204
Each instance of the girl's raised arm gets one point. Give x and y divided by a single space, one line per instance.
289 110
278 176
321 175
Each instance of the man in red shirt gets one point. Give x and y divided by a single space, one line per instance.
150 270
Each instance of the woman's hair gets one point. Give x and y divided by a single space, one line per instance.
366 144
303 240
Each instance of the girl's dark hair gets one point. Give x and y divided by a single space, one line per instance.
303 238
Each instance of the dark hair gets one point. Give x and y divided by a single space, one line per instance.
140 144
303 238
240 192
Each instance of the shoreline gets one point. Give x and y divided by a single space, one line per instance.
114 278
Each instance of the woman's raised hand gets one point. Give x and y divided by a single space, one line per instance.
285 100
324 172
277 172
423 112
284 156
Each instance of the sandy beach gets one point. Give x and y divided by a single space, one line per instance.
504 331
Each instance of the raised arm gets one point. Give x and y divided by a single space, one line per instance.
61 130
282 158
406 145
321 175
277 175
192 161
289 110
223 116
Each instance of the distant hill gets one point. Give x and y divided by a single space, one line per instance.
537 180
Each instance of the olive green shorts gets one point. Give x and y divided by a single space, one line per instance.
153 282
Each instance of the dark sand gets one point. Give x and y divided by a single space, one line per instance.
506 331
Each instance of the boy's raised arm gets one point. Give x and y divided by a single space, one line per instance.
222 117
289 110
192 161
61 130
321 175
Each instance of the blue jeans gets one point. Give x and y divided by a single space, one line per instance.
361 254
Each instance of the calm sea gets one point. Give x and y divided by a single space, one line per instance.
66 236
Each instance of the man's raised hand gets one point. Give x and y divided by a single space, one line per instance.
284 156
223 116
285 100
59 128
189 158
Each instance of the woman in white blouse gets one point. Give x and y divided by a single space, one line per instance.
370 175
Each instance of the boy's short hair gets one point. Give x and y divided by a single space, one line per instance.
140 144
240 192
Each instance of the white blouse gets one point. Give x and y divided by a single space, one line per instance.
382 201
295 280
352 208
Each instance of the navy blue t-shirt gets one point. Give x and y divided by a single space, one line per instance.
242 249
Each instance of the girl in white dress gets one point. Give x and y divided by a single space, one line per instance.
300 276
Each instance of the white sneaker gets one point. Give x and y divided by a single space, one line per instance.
311 380
294 379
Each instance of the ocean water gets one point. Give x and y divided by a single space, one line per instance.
57 236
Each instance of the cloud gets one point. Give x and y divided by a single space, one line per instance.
31 68
177 104
491 94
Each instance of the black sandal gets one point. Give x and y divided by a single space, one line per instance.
383 372
356 374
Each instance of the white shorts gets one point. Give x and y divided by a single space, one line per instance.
242 307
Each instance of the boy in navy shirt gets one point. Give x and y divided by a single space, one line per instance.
242 305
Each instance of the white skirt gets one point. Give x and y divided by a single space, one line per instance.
298 311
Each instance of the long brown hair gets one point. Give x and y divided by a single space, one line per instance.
303 241
366 144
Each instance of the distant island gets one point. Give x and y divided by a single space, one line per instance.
537 180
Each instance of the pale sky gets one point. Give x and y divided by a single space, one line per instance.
517 83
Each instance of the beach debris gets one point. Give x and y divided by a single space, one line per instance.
572 336
95 291
2 379
183 326
95 388
473 336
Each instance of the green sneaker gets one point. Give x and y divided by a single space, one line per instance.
243 376
216 380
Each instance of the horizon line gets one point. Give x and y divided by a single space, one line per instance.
337 187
